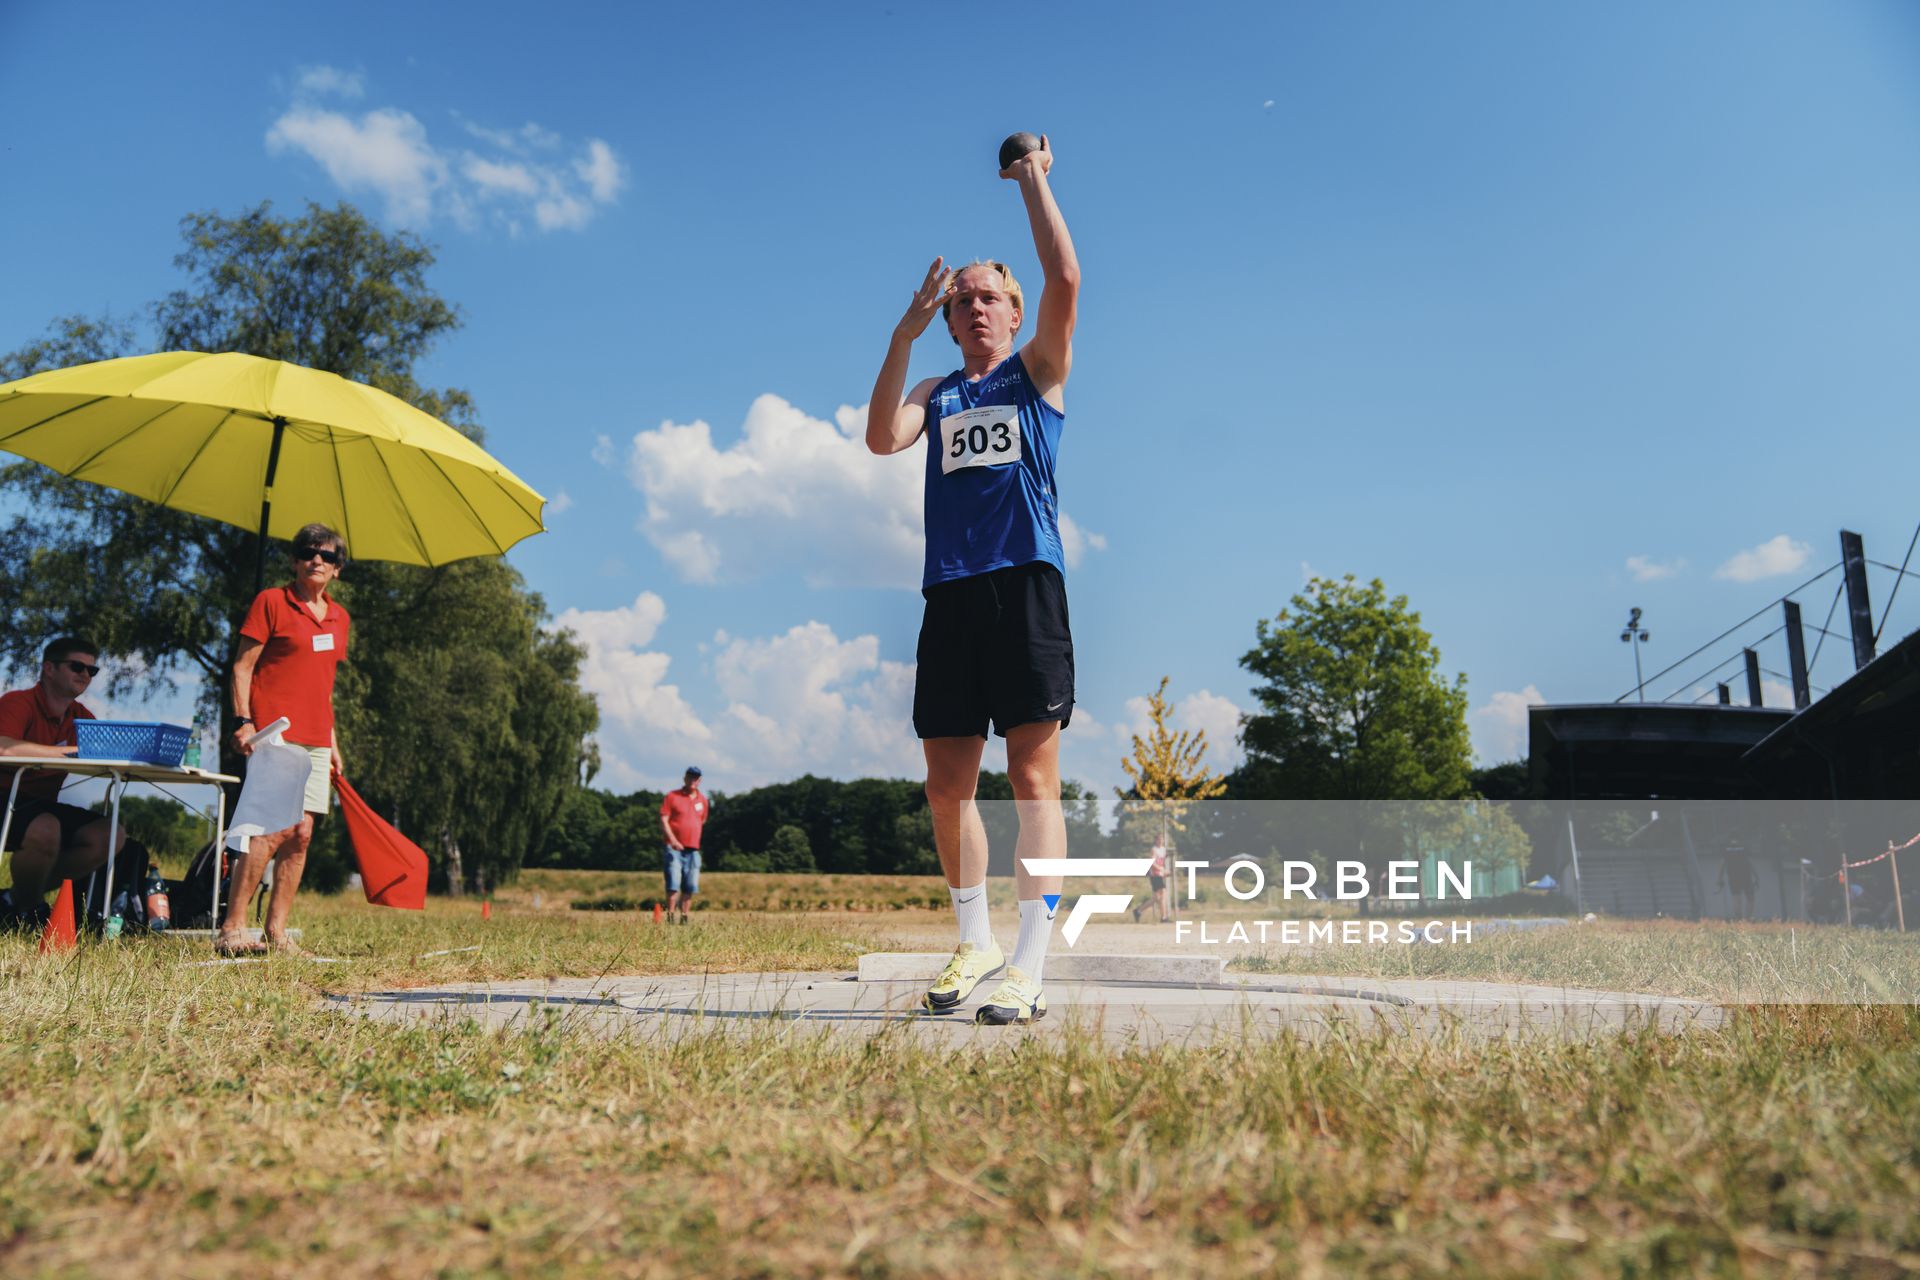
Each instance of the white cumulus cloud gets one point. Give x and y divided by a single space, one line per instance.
528 137
1647 569
1499 726
601 170
507 176
1075 542
758 710
1776 556
808 701
629 680
384 151
323 80
793 494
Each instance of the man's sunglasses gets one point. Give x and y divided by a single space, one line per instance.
301 554
80 668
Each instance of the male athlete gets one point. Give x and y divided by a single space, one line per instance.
994 646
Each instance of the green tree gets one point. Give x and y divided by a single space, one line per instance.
913 835
169 829
1507 780
1353 705
789 850
463 714
460 714
599 831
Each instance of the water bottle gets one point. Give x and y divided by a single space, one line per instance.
159 907
116 916
192 759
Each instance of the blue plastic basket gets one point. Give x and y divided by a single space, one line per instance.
145 741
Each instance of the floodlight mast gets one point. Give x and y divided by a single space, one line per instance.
1636 635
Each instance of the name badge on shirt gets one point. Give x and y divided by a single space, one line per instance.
985 437
323 642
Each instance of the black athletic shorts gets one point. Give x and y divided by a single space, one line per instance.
72 817
994 648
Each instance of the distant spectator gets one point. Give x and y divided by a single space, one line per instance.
682 814
1736 876
291 645
1157 881
51 841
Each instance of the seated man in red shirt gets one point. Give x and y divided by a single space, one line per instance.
51 841
291 645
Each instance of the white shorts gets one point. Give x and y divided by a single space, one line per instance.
320 781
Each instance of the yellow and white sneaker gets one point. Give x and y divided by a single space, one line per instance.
970 964
1018 998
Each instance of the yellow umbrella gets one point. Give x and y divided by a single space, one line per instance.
271 446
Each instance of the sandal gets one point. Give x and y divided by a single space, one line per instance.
233 943
287 947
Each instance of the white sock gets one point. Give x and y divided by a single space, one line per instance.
970 905
1036 932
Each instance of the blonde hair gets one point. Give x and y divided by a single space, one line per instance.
1009 284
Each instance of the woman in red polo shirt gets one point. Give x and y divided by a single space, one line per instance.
290 646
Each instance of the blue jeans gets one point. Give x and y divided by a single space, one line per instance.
683 870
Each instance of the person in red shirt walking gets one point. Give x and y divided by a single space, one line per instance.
51 841
291 645
682 814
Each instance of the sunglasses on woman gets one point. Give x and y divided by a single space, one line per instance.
303 554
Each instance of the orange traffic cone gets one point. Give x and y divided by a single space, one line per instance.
658 915
486 908
59 934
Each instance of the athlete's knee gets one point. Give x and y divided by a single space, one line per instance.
1034 779
945 793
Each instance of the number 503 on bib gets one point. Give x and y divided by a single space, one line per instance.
985 437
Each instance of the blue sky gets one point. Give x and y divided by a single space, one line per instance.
1535 312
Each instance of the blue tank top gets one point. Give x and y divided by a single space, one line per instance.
991 448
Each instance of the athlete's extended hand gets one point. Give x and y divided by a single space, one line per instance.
927 300
1041 159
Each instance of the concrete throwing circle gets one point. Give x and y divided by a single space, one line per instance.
1135 1009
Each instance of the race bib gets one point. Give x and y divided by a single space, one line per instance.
985 437
323 642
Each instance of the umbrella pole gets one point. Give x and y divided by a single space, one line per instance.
259 580
266 507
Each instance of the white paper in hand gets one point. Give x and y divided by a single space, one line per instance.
274 795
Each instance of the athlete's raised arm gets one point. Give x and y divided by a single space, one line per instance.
1049 353
892 423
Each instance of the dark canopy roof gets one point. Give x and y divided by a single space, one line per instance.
1868 729
1633 750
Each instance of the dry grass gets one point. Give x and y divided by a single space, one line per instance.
217 1120
1730 963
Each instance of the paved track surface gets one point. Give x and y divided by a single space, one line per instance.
1131 1007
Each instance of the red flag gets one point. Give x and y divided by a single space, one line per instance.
393 870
